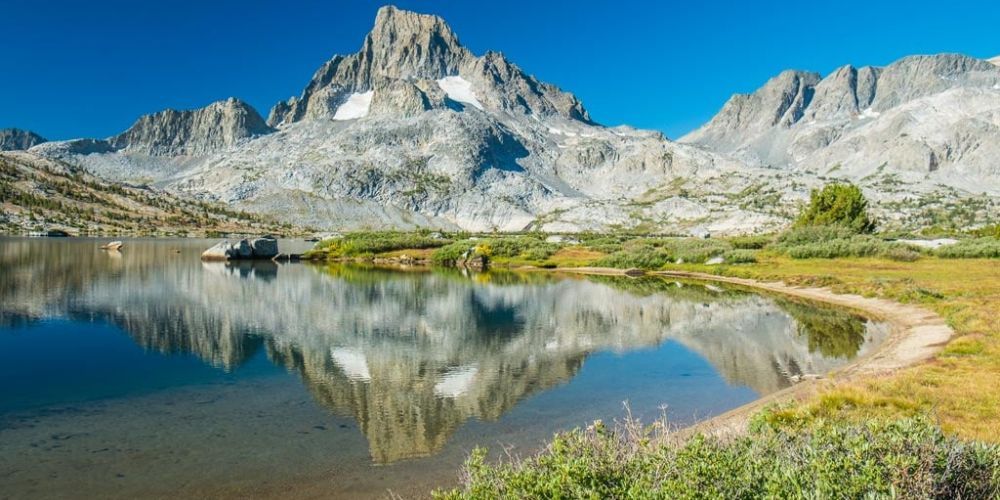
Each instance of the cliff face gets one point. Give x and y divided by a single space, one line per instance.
923 118
218 126
14 139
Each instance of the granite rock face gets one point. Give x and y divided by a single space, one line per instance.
14 139
220 125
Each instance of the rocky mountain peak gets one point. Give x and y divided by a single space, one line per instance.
407 45
13 139
220 125
995 61
424 51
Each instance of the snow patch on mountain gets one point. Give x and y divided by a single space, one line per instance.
356 106
460 90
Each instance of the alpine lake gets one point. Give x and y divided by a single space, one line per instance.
149 373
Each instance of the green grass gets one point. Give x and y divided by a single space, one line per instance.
903 458
369 244
973 248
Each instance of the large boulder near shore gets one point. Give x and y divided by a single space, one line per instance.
221 251
264 248
260 248
243 250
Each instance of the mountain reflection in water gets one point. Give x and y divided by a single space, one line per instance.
411 355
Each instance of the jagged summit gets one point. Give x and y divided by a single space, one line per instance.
995 60
219 125
13 139
423 51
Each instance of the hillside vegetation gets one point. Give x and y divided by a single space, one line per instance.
38 196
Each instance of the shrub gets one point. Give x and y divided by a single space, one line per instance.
360 244
977 248
452 252
751 242
908 458
838 205
642 257
831 242
740 256
654 253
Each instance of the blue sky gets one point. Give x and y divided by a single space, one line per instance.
89 69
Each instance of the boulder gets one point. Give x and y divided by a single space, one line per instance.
221 251
264 248
243 250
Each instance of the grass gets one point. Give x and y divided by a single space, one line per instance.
906 458
370 244
959 386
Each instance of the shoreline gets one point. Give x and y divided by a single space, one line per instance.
916 335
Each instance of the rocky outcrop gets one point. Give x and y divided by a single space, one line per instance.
218 126
260 248
14 139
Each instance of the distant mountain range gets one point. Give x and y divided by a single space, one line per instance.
414 130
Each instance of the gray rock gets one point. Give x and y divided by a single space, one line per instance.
218 126
264 248
220 251
242 250
13 139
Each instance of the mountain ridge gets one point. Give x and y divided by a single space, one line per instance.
414 130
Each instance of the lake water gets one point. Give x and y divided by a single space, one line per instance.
148 373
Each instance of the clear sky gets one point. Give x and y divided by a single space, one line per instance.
77 68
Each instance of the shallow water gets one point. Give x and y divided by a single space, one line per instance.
149 373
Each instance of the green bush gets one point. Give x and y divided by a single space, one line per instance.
751 242
654 253
831 242
740 256
838 205
976 248
362 244
909 458
529 247
452 252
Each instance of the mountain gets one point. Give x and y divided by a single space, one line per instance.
14 139
926 120
220 125
414 130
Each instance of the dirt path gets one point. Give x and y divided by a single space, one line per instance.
917 334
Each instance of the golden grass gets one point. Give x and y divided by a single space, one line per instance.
574 256
961 386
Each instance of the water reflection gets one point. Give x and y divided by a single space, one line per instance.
413 355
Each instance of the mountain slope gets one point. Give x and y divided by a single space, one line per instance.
928 120
414 130
13 139
38 194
